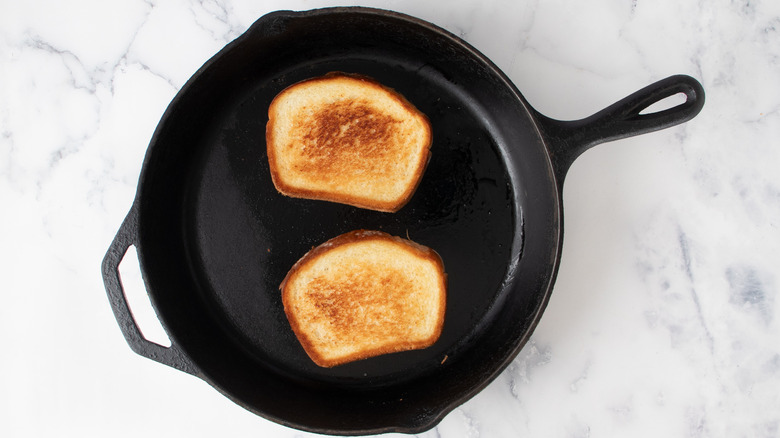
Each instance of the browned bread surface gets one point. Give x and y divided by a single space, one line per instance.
363 294
348 139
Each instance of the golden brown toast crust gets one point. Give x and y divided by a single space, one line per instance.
344 308
340 127
344 139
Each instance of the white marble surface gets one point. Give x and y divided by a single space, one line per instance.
665 320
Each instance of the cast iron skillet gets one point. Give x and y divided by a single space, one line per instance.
215 239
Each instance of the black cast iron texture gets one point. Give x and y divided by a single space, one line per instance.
215 239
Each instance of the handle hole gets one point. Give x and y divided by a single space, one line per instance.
666 103
137 299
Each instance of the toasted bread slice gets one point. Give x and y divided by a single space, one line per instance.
347 139
363 294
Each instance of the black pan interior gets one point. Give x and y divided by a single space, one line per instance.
216 239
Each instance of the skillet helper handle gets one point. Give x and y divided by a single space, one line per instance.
124 239
569 139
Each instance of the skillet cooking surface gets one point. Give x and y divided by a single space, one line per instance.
245 236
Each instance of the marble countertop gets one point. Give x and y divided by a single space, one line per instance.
665 318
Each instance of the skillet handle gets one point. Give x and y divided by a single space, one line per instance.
568 139
124 239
